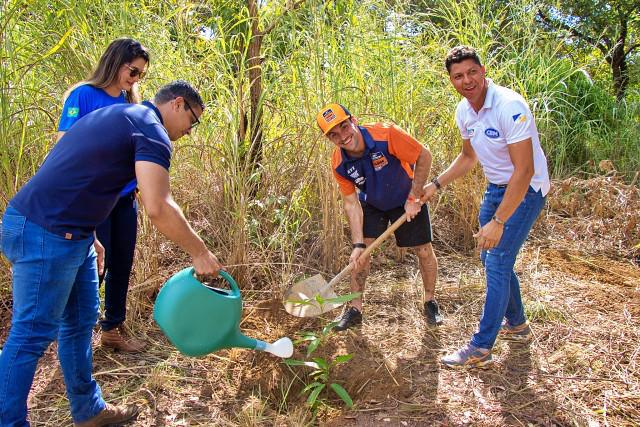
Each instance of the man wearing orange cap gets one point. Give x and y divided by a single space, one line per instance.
381 171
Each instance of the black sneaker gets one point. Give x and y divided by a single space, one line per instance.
432 313
350 317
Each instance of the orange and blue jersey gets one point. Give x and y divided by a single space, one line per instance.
384 173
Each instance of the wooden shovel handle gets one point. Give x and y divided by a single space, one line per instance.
368 250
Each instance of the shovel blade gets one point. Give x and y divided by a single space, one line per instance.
307 290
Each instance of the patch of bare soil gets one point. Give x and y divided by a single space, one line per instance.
582 367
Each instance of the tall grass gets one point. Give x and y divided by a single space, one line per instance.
284 218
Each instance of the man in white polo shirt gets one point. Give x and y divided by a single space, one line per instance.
499 131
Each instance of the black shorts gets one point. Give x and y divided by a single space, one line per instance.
410 234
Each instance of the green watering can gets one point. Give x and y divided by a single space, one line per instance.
199 320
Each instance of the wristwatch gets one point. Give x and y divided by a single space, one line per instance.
436 183
359 246
498 220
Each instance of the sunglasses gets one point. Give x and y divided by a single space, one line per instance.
135 72
196 122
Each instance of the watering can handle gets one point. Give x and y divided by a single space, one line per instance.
235 290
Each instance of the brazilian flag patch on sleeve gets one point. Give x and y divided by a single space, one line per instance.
73 112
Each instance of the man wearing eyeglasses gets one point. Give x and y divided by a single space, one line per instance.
48 237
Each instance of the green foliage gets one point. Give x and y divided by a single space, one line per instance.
320 302
579 121
321 369
382 59
610 26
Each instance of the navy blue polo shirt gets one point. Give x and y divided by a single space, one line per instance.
383 175
78 184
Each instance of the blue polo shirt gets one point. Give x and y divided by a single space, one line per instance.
383 175
83 100
78 184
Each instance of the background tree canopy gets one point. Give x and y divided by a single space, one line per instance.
254 181
612 27
264 68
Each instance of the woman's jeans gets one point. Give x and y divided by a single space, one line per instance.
503 288
55 295
118 236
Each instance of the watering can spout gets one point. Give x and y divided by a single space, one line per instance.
281 348
242 341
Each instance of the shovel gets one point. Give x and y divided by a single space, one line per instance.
313 296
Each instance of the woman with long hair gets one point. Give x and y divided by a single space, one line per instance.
114 81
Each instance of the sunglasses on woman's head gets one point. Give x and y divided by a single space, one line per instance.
135 72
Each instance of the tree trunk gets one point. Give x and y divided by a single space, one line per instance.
620 74
255 86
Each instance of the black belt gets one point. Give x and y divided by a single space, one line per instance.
499 185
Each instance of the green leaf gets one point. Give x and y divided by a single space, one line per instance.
321 362
344 358
344 298
312 365
310 386
58 45
311 400
301 301
305 338
328 327
293 362
312 347
342 393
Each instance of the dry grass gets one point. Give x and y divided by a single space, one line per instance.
582 368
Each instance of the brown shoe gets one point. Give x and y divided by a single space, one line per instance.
117 339
111 415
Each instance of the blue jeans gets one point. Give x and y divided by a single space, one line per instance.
118 236
503 288
55 295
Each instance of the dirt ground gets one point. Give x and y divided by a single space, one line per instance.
582 367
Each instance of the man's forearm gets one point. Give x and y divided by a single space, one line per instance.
514 194
459 167
171 222
421 173
353 210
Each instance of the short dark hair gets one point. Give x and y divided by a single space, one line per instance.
459 54
177 88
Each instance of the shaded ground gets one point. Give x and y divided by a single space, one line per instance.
582 294
581 368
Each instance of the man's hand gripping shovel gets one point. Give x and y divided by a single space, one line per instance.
313 296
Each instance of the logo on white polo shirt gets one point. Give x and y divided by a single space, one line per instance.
492 133
471 132
519 117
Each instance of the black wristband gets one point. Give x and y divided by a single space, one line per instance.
359 246
436 183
